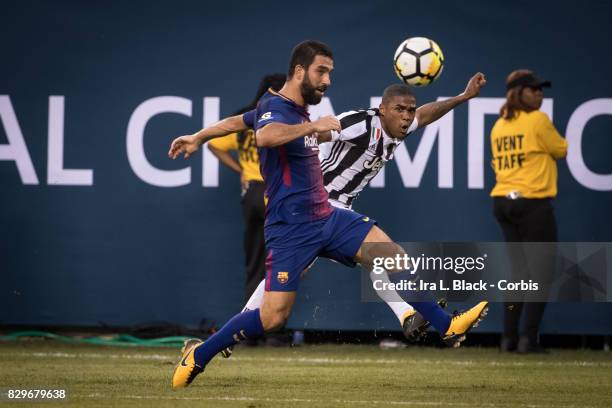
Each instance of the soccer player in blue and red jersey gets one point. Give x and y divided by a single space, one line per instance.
300 223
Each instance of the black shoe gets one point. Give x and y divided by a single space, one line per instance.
525 346
415 326
507 345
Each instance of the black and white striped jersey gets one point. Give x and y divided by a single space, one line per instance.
355 155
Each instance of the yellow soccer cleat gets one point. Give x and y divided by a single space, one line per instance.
187 369
462 322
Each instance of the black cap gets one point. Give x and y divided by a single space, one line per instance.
529 80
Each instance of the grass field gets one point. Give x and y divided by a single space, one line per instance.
312 376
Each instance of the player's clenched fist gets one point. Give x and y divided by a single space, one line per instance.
327 123
183 144
475 83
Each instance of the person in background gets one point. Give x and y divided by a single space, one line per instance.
525 147
252 201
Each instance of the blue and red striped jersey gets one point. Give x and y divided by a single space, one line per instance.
291 172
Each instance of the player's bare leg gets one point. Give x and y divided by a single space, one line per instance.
275 309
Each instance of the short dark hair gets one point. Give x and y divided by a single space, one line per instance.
304 54
396 90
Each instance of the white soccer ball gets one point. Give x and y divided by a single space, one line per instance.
418 61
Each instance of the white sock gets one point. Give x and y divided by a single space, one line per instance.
393 300
256 298
400 309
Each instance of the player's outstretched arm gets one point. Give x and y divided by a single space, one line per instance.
277 134
433 111
190 144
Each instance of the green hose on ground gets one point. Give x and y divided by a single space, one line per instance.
124 340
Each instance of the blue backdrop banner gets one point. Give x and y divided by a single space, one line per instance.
98 226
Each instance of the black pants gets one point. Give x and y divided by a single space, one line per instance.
253 213
526 220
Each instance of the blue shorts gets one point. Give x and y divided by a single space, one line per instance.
293 247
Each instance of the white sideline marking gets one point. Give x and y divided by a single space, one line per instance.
99 355
329 361
335 401
310 401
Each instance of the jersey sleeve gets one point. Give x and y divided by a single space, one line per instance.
353 125
270 113
225 143
550 140
249 118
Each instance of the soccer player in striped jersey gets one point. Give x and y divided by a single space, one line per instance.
300 223
368 138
